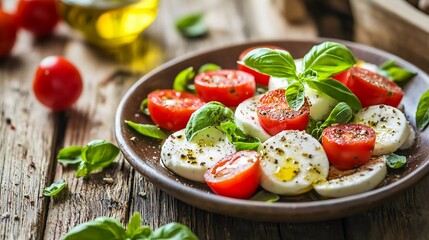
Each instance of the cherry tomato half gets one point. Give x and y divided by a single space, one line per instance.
343 77
38 16
275 115
260 78
171 109
7 33
237 175
373 89
348 145
229 87
57 83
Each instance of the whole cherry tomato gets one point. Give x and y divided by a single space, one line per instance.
275 115
229 87
57 83
8 29
237 175
348 145
38 16
171 109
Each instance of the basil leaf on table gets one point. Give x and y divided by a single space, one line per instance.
96 155
397 74
264 196
135 230
182 80
422 112
337 91
70 155
273 62
396 161
55 188
192 25
240 140
208 67
211 114
100 228
143 107
147 130
327 59
295 95
173 231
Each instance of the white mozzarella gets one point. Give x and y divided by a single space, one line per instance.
410 140
291 162
349 182
368 66
192 159
390 125
246 118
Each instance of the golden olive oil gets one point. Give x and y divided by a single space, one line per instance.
109 23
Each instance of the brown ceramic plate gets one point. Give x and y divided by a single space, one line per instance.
144 153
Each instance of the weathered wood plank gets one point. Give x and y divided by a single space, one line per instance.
26 149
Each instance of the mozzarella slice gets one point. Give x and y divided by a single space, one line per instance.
246 118
291 162
345 183
410 140
192 159
390 125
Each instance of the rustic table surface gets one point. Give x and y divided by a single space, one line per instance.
31 136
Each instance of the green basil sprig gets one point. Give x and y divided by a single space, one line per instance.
211 114
95 155
147 129
143 107
323 61
192 25
397 74
208 67
342 113
110 228
264 196
240 140
55 188
395 161
422 112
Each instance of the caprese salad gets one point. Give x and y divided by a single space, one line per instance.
325 122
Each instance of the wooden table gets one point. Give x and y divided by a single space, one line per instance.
29 145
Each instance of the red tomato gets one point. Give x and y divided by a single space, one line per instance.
38 16
229 87
171 109
57 83
7 33
373 89
275 115
260 78
236 175
343 77
348 145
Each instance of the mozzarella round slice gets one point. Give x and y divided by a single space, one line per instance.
291 162
246 118
192 159
390 125
349 182
410 140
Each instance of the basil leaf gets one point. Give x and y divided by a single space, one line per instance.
400 76
182 80
240 140
173 231
264 196
143 107
327 59
273 62
192 25
342 113
422 112
135 230
336 90
396 161
295 95
55 188
208 67
387 64
95 155
70 155
147 129
100 228
211 114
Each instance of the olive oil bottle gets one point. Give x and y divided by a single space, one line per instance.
109 23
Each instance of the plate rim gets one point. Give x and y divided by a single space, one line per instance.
279 211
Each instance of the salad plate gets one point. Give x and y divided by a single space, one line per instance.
143 153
